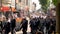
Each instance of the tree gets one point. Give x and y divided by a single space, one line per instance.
57 4
44 4
54 2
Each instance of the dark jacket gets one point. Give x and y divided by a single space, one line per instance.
13 23
24 24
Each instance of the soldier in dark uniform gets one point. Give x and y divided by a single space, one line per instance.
48 22
42 25
24 25
6 27
12 24
53 24
34 23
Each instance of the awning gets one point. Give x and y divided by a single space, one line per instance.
5 8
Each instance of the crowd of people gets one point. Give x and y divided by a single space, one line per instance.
44 24
39 25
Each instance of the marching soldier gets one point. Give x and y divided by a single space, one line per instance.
34 25
13 25
24 25
52 24
48 23
7 27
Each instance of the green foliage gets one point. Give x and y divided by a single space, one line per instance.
54 2
44 4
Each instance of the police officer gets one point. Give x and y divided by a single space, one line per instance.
48 21
53 24
31 25
24 25
42 25
49 24
7 28
13 25
34 25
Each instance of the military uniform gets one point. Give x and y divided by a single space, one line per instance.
13 25
34 23
24 25
7 28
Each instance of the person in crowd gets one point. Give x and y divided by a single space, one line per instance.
7 26
34 22
48 21
52 24
24 25
12 24
32 26
42 24
0 25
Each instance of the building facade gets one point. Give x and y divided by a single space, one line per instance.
23 3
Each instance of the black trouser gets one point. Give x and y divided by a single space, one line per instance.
33 30
24 32
51 30
12 30
7 31
24 29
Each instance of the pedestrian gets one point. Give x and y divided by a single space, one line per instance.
48 21
34 25
24 25
53 24
12 24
